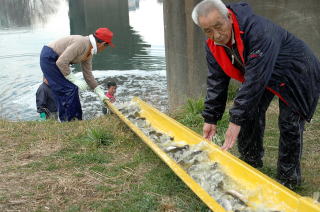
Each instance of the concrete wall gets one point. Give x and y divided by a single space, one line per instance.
184 43
186 68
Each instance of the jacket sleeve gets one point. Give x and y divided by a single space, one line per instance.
87 73
263 51
217 91
41 100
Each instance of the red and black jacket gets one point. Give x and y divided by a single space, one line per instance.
273 59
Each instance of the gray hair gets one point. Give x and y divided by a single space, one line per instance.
205 7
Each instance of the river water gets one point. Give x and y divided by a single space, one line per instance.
136 64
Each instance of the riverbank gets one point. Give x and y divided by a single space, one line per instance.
85 166
101 165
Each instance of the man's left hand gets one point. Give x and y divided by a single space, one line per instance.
231 136
99 91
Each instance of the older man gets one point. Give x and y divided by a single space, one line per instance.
55 60
268 61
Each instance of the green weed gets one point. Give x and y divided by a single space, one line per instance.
100 136
194 106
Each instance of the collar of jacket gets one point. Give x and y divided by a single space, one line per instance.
221 56
93 42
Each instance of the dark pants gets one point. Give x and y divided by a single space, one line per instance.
291 125
65 92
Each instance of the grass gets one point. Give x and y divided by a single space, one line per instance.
99 136
95 165
100 165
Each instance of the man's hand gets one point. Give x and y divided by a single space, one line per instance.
98 90
112 99
43 116
209 130
231 136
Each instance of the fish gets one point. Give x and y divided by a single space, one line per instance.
164 138
194 159
175 148
238 195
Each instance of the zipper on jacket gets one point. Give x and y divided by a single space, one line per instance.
235 60
234 56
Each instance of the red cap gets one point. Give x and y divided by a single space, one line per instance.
105 35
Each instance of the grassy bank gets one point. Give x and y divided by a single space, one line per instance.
97 165
100 165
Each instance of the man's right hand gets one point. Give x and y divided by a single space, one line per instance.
209 130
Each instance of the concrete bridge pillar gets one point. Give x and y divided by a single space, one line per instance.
185 53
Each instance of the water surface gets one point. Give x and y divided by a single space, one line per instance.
137 63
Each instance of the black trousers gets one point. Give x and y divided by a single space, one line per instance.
291 126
